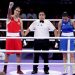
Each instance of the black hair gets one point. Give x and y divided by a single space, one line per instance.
42 12
17 7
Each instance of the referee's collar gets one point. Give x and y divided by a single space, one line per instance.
41 21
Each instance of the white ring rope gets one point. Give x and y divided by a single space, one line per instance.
37 37
25 30
38 63
37 51
36 19
33 19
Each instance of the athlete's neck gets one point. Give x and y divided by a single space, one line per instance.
16 16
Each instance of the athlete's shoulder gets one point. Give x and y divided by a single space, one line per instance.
12 16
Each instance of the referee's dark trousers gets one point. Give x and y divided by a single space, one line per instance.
41 44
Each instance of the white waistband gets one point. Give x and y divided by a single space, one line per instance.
12 34
67 34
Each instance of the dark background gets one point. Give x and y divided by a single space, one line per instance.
51 7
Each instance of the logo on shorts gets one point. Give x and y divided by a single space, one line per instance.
63 24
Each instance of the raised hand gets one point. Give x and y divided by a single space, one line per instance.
11 4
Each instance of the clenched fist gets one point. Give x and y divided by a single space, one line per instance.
11 4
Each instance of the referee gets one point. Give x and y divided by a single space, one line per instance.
41 28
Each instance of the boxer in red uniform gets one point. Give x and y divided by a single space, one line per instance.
14 26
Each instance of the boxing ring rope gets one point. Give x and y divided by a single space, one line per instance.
32 51
36 51
32 19
69 64
37 37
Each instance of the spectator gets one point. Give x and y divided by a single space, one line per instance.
74 16
31 15
56 17
23 16
0 12
0 25
27 2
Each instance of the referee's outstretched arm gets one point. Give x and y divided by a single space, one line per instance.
27 31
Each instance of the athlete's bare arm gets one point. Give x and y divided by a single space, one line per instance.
10 10
22 32
59 29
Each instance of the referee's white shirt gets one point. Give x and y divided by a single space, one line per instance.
41 29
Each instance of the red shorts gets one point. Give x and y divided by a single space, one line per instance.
13 44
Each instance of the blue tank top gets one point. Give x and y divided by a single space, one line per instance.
66 26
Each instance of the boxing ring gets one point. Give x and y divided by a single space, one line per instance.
56 67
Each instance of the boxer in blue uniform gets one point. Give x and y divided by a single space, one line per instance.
65 29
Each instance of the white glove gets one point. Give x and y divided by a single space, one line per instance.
2 56
24 43
56 45
11 4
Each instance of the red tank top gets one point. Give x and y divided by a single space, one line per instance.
14 26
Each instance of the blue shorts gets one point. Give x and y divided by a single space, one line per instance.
64 44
